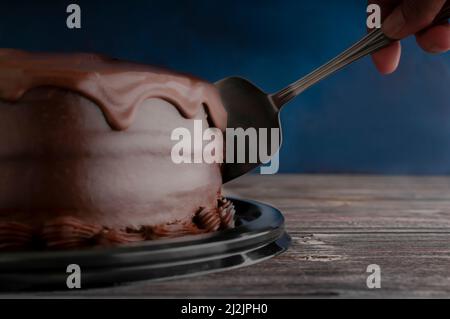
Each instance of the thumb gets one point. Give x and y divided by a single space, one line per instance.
411 16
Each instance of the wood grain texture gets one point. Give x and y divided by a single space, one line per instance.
339 225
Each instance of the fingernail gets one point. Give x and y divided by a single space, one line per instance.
393 25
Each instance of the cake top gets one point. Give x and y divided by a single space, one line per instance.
117 87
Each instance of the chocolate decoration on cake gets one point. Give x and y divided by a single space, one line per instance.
172 230
85 152
68 232
15 236
208 219
226 213
117 87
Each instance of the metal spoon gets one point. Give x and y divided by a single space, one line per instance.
250 107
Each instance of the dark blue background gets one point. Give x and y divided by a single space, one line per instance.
355 121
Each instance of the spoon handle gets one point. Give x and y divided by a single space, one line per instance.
371 43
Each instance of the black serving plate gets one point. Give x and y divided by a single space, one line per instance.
259 234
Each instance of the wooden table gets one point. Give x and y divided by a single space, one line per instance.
339 225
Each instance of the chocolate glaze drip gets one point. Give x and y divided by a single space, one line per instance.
117 87
71 233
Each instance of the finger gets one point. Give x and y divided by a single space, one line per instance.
386 6
410 17
435 39
387 59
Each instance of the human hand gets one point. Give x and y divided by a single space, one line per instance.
402 18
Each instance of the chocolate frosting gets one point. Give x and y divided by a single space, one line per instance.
71 233
117 87
226 213
69 180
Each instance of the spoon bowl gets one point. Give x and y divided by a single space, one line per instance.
247 107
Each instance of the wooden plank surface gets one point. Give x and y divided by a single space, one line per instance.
339 225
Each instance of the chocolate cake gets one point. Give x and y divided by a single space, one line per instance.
85 153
